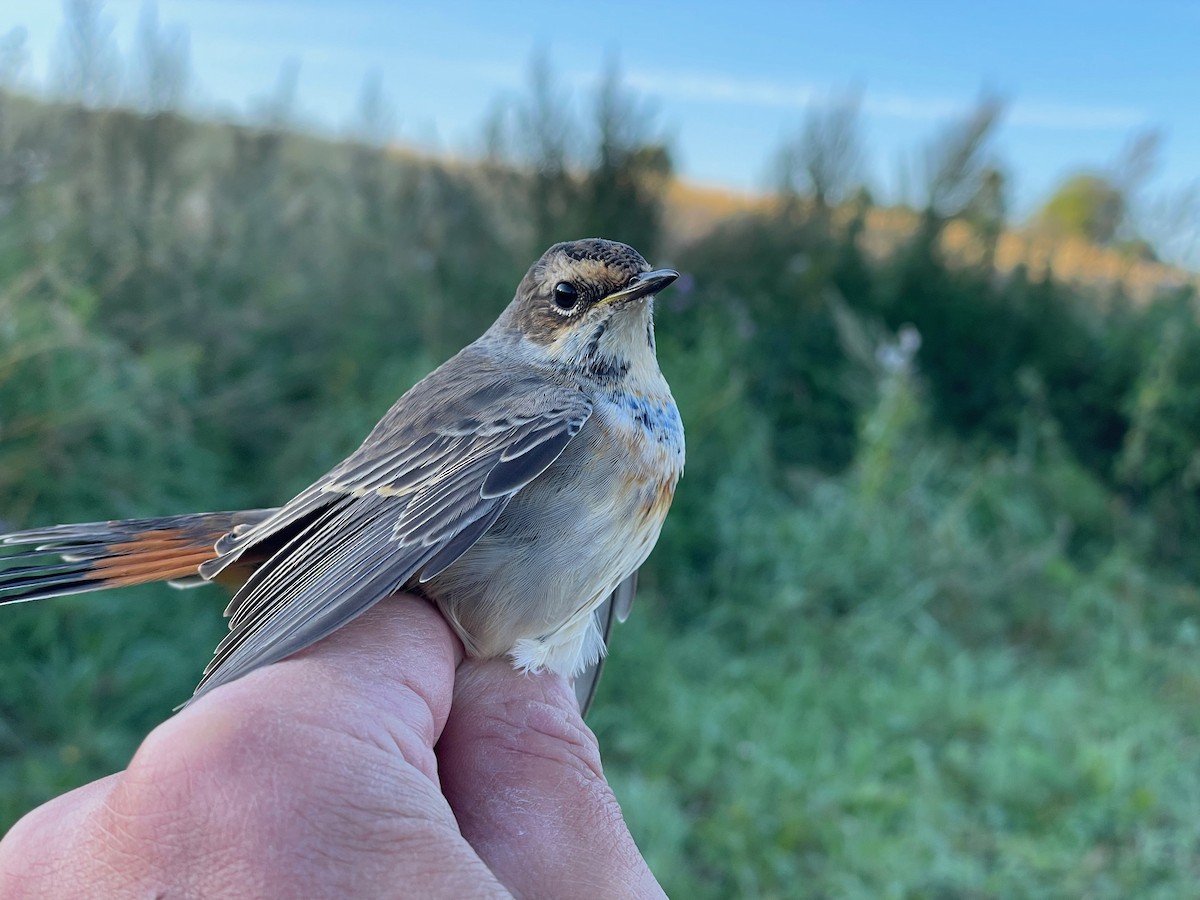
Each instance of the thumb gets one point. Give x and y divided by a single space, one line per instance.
523 775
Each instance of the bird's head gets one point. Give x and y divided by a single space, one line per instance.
588 297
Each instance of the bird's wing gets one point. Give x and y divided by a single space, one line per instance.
422 489
614 609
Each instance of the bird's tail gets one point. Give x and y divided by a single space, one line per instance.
73 559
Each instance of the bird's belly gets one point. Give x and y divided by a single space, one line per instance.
561 546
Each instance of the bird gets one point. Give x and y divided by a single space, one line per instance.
519 487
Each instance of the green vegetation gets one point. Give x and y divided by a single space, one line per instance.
1086 205
924 620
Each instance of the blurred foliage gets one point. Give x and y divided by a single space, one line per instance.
1088 206
922 622
1109 207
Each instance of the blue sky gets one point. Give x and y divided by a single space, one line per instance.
729 80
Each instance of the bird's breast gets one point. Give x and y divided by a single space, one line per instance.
647 435
569 537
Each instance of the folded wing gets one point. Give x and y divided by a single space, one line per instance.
402 508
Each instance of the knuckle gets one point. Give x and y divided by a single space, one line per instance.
26 870
242 791
543 730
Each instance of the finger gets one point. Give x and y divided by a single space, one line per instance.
311 777
34 855
390 672
523 774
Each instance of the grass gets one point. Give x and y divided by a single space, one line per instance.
931 676
923 681
874 760
894 750
85 678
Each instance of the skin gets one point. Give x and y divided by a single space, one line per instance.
378 763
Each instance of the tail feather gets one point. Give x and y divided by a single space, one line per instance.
42 582
73 559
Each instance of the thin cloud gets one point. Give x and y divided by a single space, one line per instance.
1082 118
720 89
917 109
800 96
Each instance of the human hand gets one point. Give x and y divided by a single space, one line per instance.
377 763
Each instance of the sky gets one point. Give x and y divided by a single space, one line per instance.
729 81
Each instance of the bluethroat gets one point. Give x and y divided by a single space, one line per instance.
519 487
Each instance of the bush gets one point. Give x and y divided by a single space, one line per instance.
920 623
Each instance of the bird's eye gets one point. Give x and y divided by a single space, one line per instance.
565 295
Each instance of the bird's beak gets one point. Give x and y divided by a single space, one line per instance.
643 286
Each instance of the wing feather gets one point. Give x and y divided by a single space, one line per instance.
418 493
607 614
457 545
515 471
